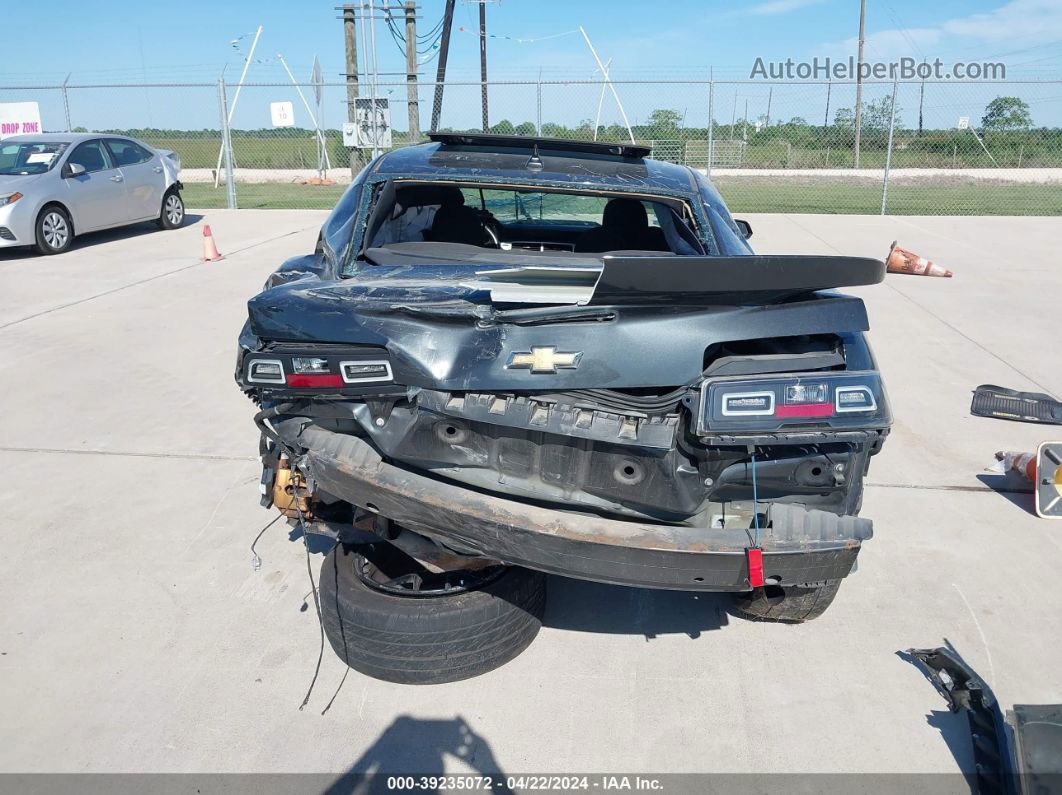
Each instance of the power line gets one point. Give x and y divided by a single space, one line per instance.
901 28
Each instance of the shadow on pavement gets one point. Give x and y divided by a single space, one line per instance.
954 727
593 607
1016 491
418 748
94 238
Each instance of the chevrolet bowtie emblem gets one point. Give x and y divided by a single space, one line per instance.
545 359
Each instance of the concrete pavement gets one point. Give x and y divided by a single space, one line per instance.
136 635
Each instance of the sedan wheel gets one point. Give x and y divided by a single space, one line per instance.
54 233
172 215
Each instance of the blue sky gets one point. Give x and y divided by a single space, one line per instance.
678 39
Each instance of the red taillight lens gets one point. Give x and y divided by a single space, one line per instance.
311 381
805 410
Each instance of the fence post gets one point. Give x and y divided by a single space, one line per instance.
226 146
711 124
888 150
538 102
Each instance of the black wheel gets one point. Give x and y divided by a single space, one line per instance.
792 604
389 618
172 214
55 232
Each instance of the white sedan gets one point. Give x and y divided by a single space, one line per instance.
55 186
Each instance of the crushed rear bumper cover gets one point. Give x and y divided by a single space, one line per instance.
799 546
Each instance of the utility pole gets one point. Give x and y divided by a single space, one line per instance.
483 61
859 79
921 99
770 94
440 75
350 43
412 102
826 117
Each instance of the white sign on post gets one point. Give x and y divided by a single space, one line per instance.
282 114
964 122
350 134
19 118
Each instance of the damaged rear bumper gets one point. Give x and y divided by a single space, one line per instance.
799 545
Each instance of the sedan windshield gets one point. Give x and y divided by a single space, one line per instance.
27 157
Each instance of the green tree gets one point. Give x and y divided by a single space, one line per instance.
525 128
504 127
844 119
1004 114
878 115
664 120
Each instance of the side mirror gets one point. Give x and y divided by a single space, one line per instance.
73 170
744 227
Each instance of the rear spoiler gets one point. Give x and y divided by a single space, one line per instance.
639 280
681 280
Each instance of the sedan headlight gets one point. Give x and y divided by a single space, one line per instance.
11 198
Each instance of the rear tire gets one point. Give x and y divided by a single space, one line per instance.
54 232
428 639
790 604
172 214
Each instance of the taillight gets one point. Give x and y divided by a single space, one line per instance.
311 381
842 400
287 368
312 365
265 371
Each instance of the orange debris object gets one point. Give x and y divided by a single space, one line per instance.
1022 463
900 260
210 248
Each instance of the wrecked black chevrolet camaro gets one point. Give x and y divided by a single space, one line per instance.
515 356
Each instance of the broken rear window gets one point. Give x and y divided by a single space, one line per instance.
517 219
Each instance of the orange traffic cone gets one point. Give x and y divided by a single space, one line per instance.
1044 469
900 260
210 249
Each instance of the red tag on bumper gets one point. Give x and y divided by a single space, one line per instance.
755 559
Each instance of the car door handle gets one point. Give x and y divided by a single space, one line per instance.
116 178
157 169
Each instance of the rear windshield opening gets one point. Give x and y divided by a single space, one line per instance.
417 217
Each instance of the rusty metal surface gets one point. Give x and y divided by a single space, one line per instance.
802 546
290 495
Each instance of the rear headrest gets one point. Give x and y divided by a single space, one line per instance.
625 213
422 195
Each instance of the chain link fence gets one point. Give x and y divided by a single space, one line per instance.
925 148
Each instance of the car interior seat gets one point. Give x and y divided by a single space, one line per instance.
624 226
90 157
454 222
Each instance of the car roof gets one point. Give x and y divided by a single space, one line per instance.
64 138
487 158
